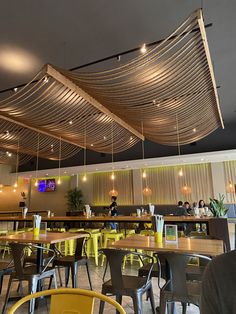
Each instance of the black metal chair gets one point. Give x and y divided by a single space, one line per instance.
124 285
29 273
71 263
178 288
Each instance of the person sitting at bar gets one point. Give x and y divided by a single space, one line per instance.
218 285
181 210
187 207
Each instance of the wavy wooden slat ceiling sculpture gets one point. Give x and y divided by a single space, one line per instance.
105 111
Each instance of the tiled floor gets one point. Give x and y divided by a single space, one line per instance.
96 275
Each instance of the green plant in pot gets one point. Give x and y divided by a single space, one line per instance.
75 200
217 206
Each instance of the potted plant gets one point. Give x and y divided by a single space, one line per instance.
75 200
217 206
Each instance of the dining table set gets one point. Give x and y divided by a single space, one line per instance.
155 247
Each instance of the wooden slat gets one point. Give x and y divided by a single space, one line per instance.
72 86
208 56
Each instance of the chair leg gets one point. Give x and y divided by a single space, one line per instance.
74 275
89 278
32 289
1 282
67 275
138 305
184 308
151 296
162 304
59 275
119 300
55 279
7 295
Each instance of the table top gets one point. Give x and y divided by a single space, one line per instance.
184 245
185 219
47 238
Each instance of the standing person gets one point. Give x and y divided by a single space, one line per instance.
113 211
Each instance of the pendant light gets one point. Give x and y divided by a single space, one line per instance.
230 187
112 192
59 163
17 165
84 178
37 163
180 172
146 191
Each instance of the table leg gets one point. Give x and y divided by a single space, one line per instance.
39 258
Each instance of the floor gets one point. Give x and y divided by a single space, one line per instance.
96 275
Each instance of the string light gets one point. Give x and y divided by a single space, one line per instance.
113 176
144 175
181 172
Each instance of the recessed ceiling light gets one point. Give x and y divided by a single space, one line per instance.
91 145
194 130
70 122
15 89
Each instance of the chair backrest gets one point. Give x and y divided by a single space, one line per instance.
69 300
80 243
178 263
18 254
115 260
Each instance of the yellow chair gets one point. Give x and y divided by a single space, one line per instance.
93 243
76 301
111 237
69 248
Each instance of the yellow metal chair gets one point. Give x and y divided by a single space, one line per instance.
111 237
76 301
93 243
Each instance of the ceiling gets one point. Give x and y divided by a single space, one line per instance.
69 34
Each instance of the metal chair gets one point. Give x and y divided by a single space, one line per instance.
71 263
178 288
27 273
124 285
69 301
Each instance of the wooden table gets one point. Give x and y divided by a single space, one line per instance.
147 219
184 245
47 238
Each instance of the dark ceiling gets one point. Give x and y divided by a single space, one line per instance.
72 33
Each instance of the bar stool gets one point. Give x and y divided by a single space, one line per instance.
69 248
93 242
111 237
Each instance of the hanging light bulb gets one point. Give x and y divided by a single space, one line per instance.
180 173
112 192
144 175
84 178
15 185
37 162
0 190
59 163
14 190
230 184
